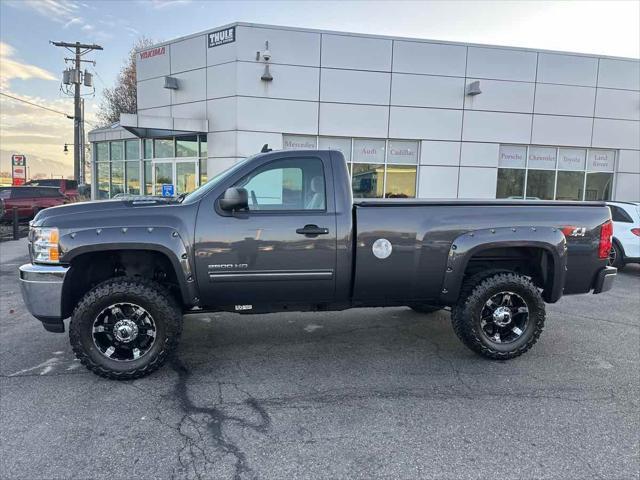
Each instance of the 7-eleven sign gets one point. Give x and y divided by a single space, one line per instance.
18 169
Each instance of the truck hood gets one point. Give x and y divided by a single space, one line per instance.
103 212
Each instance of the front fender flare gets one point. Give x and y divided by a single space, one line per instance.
465 246
165 240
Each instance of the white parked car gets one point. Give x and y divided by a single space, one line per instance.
626 233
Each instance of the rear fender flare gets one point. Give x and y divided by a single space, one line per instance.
165 240
467 245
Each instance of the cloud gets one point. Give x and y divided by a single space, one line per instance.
163 4
12 68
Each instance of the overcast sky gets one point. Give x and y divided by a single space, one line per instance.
30 67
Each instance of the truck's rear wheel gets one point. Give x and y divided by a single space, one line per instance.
500 317
125 328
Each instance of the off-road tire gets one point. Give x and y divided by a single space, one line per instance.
148 294
618 262
424 308
477 290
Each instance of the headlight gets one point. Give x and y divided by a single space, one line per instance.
45 244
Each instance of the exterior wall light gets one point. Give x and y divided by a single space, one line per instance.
473 88
171 83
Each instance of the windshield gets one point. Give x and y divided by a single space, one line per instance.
203 189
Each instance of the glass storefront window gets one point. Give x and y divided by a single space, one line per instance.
343 145
148 179
598 186
203 145
542 158
102 151
133 177
510 183
401 181
569 185
148 148
163 148
185 177
512 156
402 151
117 178
367 180
540 184
117 151
298 142
103 180
163 173
571 159
132 149
187 146
203 171
601 160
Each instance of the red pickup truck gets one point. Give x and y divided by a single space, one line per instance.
66 186
28 200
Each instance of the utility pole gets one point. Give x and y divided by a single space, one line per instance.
75 76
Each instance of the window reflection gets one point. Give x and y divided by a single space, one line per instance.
401 181
367 180
540 184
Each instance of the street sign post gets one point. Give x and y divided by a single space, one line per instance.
18 169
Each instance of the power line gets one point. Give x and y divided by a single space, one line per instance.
36 105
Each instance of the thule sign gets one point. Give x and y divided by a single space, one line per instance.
221 37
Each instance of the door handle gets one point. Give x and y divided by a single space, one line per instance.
312 230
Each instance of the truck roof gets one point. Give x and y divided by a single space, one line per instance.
405 202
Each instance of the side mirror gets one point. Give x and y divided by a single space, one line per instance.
234 199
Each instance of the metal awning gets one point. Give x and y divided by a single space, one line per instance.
146 126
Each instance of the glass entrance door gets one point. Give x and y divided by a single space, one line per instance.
186 176
162 174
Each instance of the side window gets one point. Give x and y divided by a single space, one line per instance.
288 184
619 215
24 192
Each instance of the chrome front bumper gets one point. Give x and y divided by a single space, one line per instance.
41 287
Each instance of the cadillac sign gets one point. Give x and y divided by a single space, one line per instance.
228 35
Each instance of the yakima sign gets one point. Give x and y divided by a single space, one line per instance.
152 53
221 37
18 169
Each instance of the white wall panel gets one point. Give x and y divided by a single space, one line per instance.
621 104
567 69
286 46
565 100
429 58
496 127
427 91
222 144
266 114
222 53
477 182
501 96
351 86
479 154
439 153
616 134
151 93
425 123
189 54
153 65
629 161
628 187
552 130
289 82
192 86
155 112
501 64
250 143
359 53
221 80
619 74
219 165
438 182
190 110
222 114
353 120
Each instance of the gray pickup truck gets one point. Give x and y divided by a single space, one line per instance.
280 232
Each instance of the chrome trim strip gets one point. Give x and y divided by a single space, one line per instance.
271 275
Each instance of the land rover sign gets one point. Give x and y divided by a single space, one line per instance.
220 37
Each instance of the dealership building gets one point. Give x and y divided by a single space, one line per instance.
413 118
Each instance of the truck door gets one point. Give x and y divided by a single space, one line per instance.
283 250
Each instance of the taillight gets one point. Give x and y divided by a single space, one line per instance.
636 231
606 234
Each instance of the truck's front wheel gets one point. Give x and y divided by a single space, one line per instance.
125 328
500 316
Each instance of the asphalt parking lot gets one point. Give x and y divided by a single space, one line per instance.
374 393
